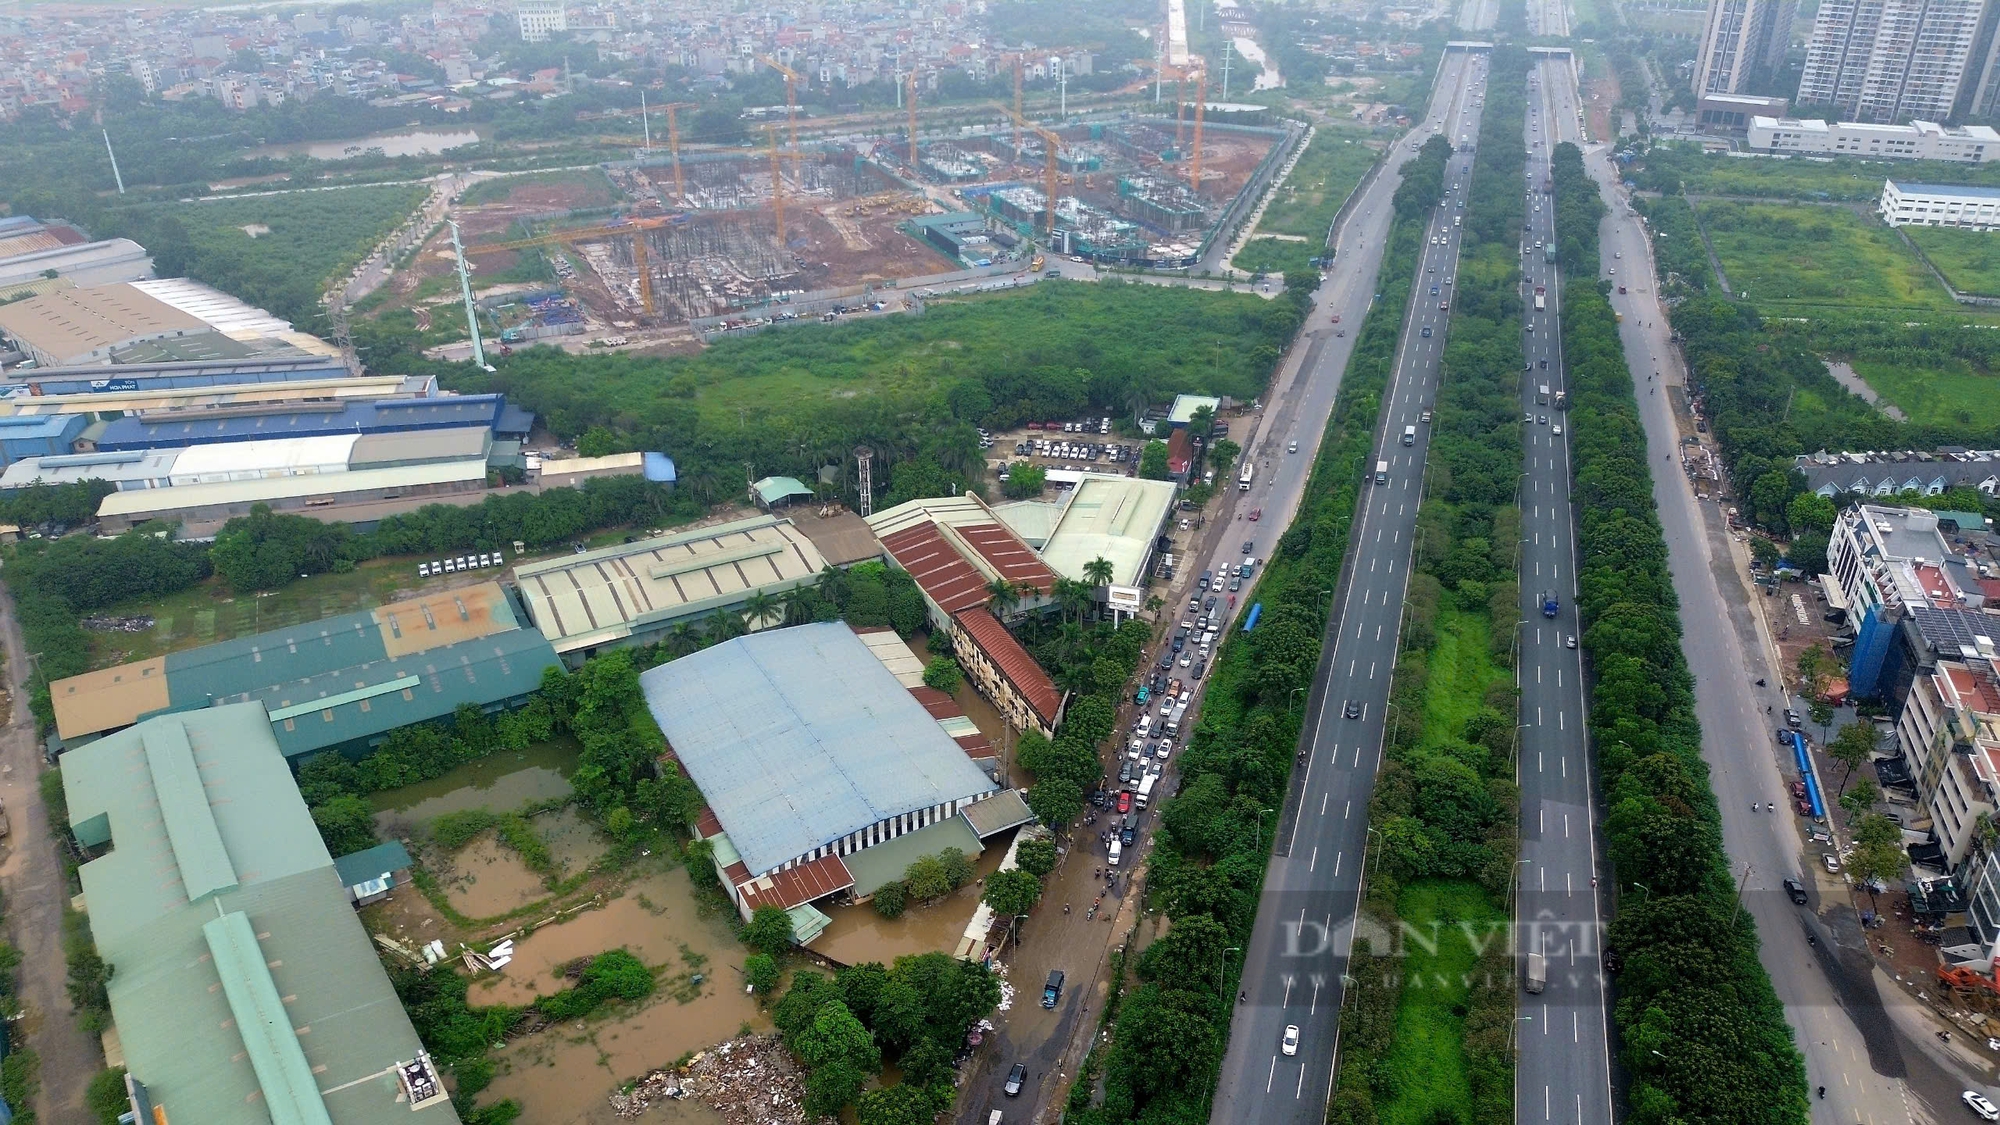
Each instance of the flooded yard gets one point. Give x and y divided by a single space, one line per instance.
858 934
566 1073
487 878
499 782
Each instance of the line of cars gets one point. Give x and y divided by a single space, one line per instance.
462 562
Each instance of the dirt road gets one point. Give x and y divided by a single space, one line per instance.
34 892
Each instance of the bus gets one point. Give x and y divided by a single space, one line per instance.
1243 482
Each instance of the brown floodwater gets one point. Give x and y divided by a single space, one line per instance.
487 878
566 1074
574 842
857 934
499 782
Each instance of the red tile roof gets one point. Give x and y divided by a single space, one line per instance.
940 705
948 579
977 747
1005 552
1014 662
1180 449
796 886
706 824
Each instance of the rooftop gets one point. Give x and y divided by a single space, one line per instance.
1970 191
1110 517
1014 662
194 427
71 324
243 974
798 737
1185 405
144 502
604 596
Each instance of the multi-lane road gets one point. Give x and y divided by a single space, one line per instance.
1306 918
1563 1068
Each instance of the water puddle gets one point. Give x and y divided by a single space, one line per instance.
566 1073
572 839
488 878
499 782
858 934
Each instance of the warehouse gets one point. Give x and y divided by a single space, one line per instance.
807 750
243 977
340 683
86 263
954 546
138 469
114 399
1116 518
50 436
249 460
202 509
71 326
633 593
94 379
163 430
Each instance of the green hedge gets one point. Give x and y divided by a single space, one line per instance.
1701 1031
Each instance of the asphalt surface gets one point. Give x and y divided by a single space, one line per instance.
1306 919
1563 1066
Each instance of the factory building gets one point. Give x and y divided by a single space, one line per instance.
37 437
342 683
315 393
246 460
246 989
810 755
152 321
1939 205
202 509
1919 140
139 377
632 594
171 429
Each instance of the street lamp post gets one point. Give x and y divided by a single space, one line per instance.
1221 960
1260 827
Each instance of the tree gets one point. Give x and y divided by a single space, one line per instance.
957 868
1821 713
1764 553
1863 797
1852 747
1099 571
890 900
760 971
1012 892
1153 461
1222 454
1056 800
943 674
1036 856
1814 667
1878 852
1024 481
927 878
347 825
1001 597
769 931
1201 422
761 608
902 1104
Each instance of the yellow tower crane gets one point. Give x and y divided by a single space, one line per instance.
1200 101
636 230
791 108
1051 145
912 101
1017 105
674 144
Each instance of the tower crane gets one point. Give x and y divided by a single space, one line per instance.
791 108
912 100
674 144
636 230
1200 101
1051 145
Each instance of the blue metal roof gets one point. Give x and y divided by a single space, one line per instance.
31 427
1972 191
659 469
378 416
126 378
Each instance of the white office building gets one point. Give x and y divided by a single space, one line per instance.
1741 41
540 18
1892 60
1919 140
1940 205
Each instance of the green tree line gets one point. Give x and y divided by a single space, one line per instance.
1701 1031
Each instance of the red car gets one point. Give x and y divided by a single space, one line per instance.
1124 801
1256 514
1805 807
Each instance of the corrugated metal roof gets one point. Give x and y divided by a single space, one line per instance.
1115 518
191 830
770 490
797 737
796 886
177 996
139 468
257 460
204 397
886 862
411 447
1004 552
143 502
213 307
943 574
72 323
604 596
1020 669
194 427
1003 810
372 863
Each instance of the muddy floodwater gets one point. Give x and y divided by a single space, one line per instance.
408 142
857 934
500 782
565 1074
488 879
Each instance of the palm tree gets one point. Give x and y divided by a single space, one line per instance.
1002 597
832 583
760 608
722 625
682 639
800 604
1099 571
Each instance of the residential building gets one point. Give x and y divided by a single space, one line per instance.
1910 470
1892 60
1742 42
1003 672
246 989
1949 729
810 754
1880 555
341 683
1919 140
635 593
539 19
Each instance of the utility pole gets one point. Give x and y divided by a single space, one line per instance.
465 290
1740 884
115 174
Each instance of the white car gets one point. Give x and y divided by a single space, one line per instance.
1292 448
1981 1105
1290 1046
1559 429
1187 657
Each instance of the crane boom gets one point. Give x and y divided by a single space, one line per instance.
1051 145
791 108
913 119
674 145
1200 100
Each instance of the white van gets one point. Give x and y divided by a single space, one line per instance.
1381 472
1409 435
1145 725
1117 849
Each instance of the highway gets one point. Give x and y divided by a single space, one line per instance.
1862 1035
1563 1066
1306 918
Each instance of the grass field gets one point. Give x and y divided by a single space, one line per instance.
1970 260
1779 255
1427 1069
578 187
1305 204
1954 397
1461 672
1683 167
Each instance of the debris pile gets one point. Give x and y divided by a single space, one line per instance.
749 1081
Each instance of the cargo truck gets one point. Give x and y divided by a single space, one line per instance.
1550 603
1537 973
1145 794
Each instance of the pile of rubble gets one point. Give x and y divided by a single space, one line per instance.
749 1081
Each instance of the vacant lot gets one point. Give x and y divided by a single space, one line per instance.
571 188
1779 254
1970 260
1955 395
1427 1068
1305 204
1680 167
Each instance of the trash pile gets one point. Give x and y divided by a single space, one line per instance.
749 1081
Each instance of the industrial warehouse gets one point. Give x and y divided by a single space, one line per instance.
337 684
243 975
810 754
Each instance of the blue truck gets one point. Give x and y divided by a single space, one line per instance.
1550 603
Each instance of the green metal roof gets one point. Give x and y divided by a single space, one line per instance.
191 832
203 1010
372 863
770 490
886 862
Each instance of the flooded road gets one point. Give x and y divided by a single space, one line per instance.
500 782
564 1074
